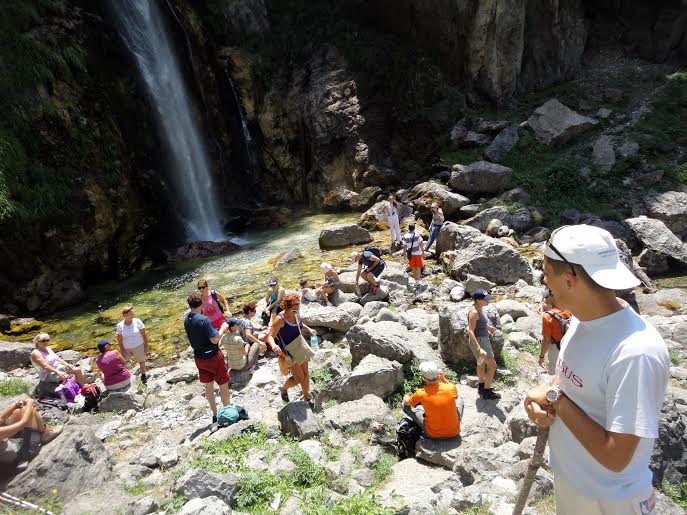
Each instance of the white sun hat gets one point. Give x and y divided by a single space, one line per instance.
594 249
429 370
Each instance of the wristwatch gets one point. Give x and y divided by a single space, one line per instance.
553 395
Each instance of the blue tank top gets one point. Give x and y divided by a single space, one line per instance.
289 332
481 325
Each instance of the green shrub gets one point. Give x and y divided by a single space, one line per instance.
674 356
173 503
12 387
321 377
678 493
315 502
382 469
257 488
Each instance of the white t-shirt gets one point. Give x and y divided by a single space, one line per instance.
413 242
131 334
616 369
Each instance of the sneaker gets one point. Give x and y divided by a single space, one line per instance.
144 379
490 394
214 419
480 389
21 466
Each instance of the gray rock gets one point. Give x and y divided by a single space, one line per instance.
470 210
74 459
475 282
669 458
157 456
427 192
519 339
375 219
653 262
482 219
513 308
121 402
554 123
457 293
200 484
343 235
296 419
386 315
371 309
314 450
494 228
287 257
669 207
417 318
206 506
186 373
316 315
503 143
438 452
466 250
338 200
366 198
453 333
413 481
654 235
143 506
15 355
359 414
373 375
530 325
629 148
232 431
603 155
518 425
381 294
472 464
352 308
379 176
70 356
480 177
491 126
522 220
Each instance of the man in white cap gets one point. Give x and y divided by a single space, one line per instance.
604 403
436 407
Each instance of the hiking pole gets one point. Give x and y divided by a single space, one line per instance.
535 463
25 505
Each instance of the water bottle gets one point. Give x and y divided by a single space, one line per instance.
314 343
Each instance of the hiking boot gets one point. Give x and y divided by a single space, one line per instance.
144 379
480 389
284 394
490 394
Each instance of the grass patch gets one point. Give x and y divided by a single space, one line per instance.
318 502
229 455
531 347
483 508
506 360
381 470
13 387
52 504
677 493
672 305
173 503
546 505
321 377
675 358
330 403
137 489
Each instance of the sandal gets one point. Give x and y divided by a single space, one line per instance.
284 395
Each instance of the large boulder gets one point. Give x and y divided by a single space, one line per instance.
359 414
379 176
503 143
343 235
75 458
205 506
480 177
373 375
338 200
296 419
199 484
374 218
513 308
390 340
654 235
414 482
366 198
669 458
427 192
466 250
482 219
669 207
121 402
417 318
454 342
15 355
316 315
603 155
554 123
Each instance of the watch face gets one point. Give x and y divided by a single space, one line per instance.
552 395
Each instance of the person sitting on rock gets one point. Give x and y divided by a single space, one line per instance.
308 295
480 344
273 297
209 359
554 324
22 420
241 356
112 366
413 243
436 407
246 328
374 266
330 284
437 222
52 369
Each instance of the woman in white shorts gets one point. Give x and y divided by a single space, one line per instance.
133 339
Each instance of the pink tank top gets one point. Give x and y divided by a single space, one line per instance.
211 310
113 370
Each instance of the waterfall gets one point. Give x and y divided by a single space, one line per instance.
247 138
144 33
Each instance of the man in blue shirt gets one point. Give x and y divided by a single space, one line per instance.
374 265
212 367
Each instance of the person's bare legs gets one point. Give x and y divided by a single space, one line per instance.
370 278
481 371
35 422
305 381
225 394
142 366
210 396
490 364
78 374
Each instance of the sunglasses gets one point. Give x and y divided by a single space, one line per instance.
549 244
44 340
202 287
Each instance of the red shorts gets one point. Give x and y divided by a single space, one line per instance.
213 369
416 262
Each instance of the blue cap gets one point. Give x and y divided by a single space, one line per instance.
232 321
480 294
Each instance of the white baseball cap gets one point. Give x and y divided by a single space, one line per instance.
594 249
429 370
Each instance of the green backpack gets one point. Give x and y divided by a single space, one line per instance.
231 414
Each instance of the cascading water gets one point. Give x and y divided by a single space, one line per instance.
145 35
247 138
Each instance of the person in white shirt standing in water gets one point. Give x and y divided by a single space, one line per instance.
391 211
612 372
133 339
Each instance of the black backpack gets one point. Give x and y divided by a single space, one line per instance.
374 250
92 396
407 435
564 323
219 304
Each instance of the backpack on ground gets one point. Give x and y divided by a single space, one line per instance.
374 250
68 390
219 304
407 435
231 414
563 322
92 394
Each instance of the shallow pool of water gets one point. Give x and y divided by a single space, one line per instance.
159 296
